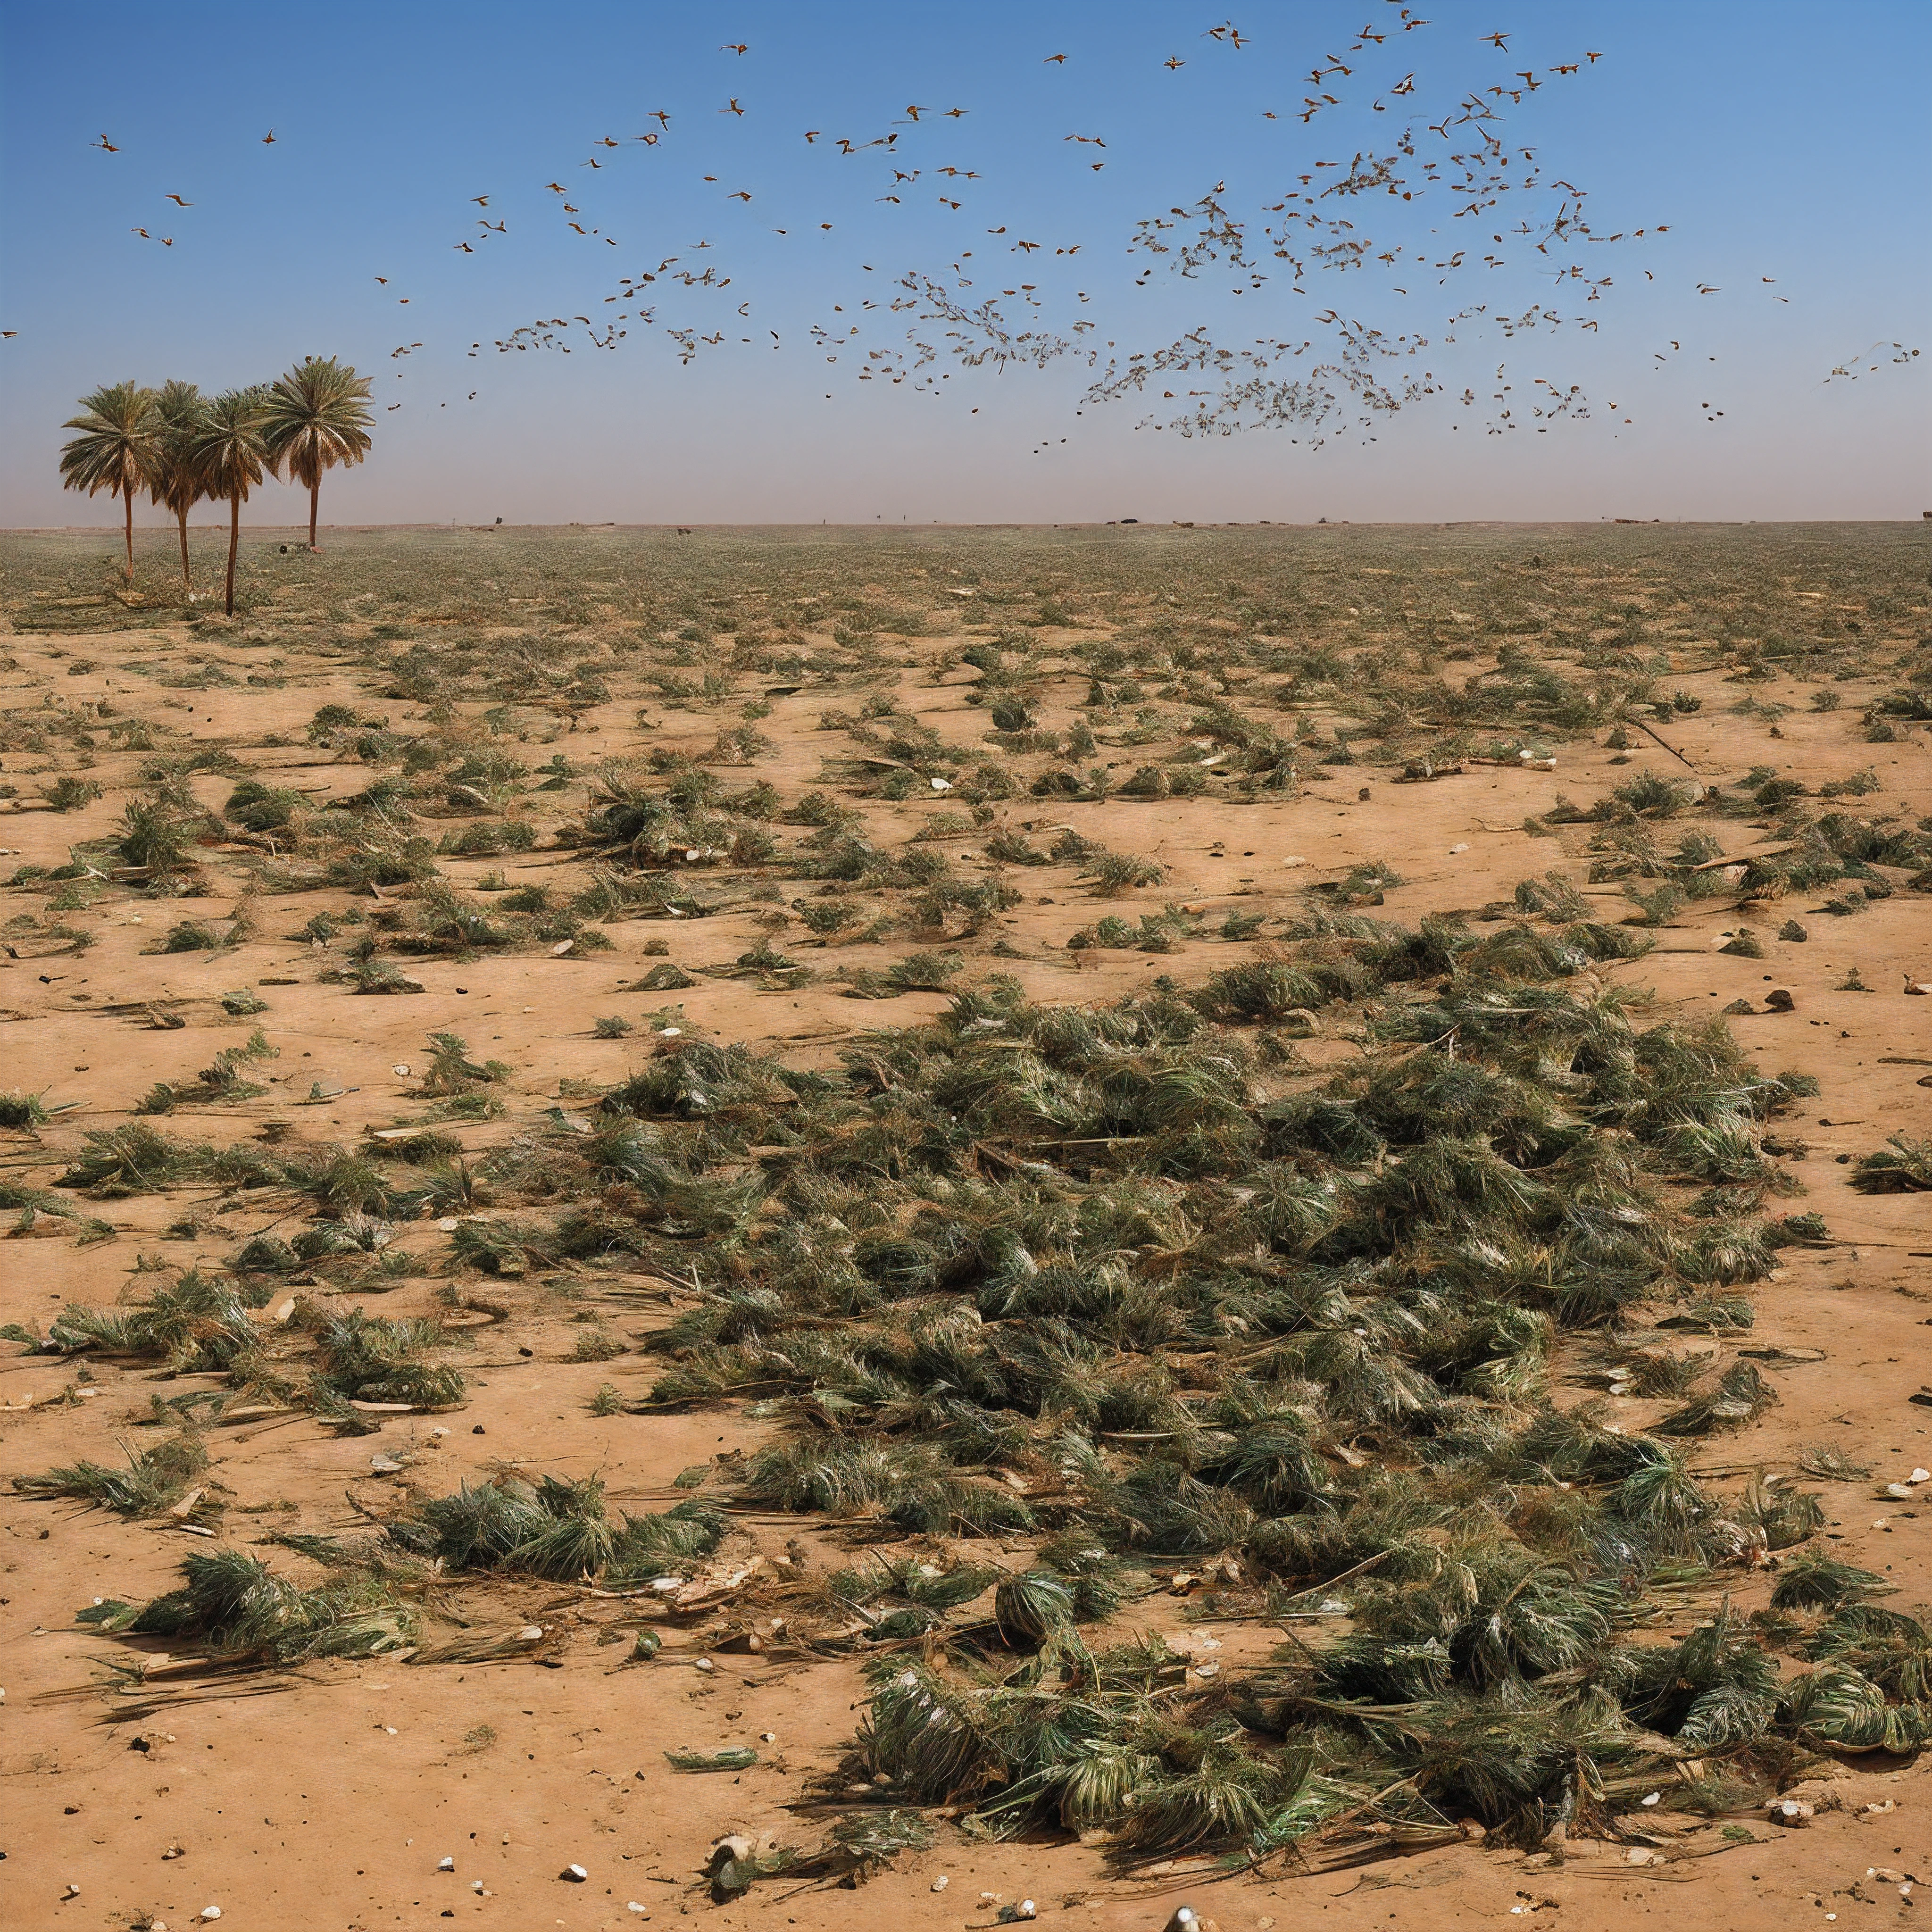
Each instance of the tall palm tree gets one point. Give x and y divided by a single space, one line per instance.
319 415
115 449
181 411
228 454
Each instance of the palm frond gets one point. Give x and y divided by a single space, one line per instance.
315 417
117 445
1839 1708
1815 1581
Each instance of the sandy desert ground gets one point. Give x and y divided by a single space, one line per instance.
1378 725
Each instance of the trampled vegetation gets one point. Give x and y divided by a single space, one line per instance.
1312 1280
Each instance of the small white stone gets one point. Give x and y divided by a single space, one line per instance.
1920 1476
476 1885
939 784
448 1224
669 1032
941 1882
1026 1909
445 1865
1653 1797
704 1664
642 1911
574 1874
400 1070
1454 849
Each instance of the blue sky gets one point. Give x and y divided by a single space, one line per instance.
1768 140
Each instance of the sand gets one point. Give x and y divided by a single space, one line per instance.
324 1796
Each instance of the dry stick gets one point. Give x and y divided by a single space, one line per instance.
1745 859
1665 743
1368 1564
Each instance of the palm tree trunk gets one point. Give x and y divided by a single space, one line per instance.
314 491
188 582
234 541
128 497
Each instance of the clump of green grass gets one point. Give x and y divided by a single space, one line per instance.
192 935
1112 873
156 838
230 1606
556 1529
19 1109
367 1358
1551 897
222 1080
195 1323
1903 1165
69 793
451 1071
153 1482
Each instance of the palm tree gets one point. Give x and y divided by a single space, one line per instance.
229 453
115 449
182 411
319 415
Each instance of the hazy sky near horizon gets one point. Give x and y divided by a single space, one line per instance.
1783 148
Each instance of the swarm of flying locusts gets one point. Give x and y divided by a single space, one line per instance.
1454 196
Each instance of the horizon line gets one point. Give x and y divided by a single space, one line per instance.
457 527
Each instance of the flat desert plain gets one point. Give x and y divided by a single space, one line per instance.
920 1227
